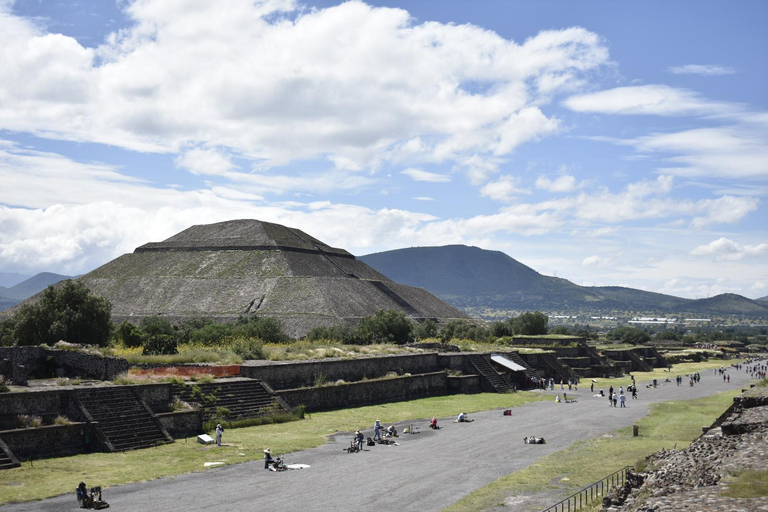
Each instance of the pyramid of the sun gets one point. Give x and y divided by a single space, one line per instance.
248 267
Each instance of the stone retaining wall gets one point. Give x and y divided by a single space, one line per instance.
46 404
49 441
367 392
291 375
182 424
49 362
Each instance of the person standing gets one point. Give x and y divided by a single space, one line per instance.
615 398
592 387
360 438
219 431
377 430
623 399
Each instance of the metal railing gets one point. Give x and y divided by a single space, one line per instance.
590 493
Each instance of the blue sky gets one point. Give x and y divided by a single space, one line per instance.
609 143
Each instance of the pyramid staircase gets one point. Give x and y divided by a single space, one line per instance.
7 459
122 419
484 368
640 364
558 369
529 372
242 398
397 299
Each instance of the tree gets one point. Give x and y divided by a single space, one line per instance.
463 330
129 334
68 312
630 335
155 325
7 328
342 333
426 329
501 329
531 324
385 327
267 329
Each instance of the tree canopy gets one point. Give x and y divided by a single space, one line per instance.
68 312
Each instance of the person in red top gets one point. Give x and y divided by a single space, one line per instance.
433 423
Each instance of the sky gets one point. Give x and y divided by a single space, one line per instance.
608 143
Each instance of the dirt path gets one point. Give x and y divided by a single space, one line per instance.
426 472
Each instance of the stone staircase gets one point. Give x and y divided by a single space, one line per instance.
558 369
242 398
529 372
7 459
122 418
640 364
484 368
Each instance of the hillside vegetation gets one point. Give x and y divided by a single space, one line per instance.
474 278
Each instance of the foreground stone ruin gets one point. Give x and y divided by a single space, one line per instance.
694 479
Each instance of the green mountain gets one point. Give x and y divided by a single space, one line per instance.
763 300
470 277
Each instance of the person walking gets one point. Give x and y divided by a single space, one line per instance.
615 398
623 399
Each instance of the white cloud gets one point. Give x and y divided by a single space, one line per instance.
503 189
723 152
725 249
595 260
205 161
274 83
564 183
423 198
702 69
419 175
660 100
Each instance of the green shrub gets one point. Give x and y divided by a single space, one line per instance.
211 334
385 327
131 335
4 385
160 344
247 348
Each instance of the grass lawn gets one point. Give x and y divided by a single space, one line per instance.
51 477
669 425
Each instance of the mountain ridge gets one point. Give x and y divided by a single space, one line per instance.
470 277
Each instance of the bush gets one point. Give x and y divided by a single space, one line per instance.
341 333
425 330
530 324
631 335
463 330
62 420
67 312
211 334
155 325
247 348
385 327
160 344
4 385
266 329
131 335
7 338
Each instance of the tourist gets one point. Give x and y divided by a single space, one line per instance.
359 437
622 399
433 423
82 495
268 460
377 430
615 399
219 431
391 431
592 387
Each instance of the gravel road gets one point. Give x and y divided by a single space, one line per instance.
426 472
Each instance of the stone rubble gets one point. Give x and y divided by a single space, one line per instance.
694 478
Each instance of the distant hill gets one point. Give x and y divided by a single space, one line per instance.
8 279
9 297
470 277
763 300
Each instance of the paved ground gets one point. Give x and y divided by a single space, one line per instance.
426 472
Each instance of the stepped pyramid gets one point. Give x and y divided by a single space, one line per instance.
248 267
